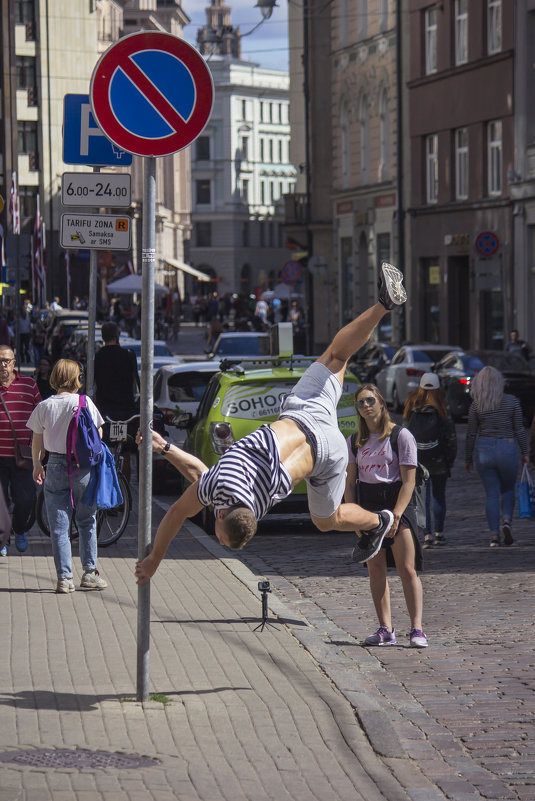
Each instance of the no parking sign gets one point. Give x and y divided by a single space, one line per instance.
151 93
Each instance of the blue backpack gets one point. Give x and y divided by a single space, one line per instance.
84 445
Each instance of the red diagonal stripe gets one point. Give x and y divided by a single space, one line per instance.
153 95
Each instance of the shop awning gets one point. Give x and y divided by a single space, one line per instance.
179 265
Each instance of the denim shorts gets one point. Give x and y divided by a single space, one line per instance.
312 404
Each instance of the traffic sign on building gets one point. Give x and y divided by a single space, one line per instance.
83 141
111 190
487 244
151 93
95 231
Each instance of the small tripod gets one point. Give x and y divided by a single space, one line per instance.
264 587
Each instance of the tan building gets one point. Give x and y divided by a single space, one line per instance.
364 118
50 50
345 216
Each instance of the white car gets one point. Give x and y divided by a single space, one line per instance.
398 378
178 388
162 354
241 345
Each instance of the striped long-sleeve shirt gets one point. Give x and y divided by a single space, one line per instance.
502 423
21 397
249 473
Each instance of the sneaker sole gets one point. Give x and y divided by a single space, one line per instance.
394 284
385 532
378 644
92 587
417 645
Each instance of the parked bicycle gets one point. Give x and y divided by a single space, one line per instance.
111 523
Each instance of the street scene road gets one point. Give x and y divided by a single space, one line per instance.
298 710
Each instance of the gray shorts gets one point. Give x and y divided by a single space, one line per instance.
312 403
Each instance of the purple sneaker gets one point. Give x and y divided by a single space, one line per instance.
418 639
381 637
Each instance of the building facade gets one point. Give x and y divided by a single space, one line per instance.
49 49
364 176
461 109
240 171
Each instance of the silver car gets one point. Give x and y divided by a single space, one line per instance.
397 379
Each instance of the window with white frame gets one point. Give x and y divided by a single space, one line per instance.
261 148
430 17
431 153
494 26
495 157
384 137
364 119
345 144
461 163
461 31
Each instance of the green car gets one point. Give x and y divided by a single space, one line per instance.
241 398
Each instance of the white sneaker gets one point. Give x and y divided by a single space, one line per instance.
91 580
65 585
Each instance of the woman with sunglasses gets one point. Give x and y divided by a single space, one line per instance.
379 478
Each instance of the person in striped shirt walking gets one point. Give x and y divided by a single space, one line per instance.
305 443
19 396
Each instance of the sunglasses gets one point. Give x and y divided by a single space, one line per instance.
360 404
6 361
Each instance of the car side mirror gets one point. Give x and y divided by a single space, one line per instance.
182 419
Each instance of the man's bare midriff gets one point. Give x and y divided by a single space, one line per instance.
295 450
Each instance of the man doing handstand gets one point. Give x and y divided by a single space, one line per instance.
305 442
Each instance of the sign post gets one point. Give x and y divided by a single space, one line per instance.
152 95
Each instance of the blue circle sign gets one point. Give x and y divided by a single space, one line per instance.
487 243
151 93
291 272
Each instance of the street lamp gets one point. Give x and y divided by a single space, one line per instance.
266 7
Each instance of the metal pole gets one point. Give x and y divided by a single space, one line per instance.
17 302
148 254
91 319
399 166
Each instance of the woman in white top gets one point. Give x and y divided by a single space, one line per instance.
49 422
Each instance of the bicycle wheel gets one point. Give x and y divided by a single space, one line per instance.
42 517
112 522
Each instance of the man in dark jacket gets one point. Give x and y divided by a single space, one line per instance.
116 381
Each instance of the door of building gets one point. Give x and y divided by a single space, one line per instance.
459 328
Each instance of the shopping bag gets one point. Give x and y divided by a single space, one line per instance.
525 493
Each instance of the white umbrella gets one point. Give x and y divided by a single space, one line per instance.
131 284
281 291
268 295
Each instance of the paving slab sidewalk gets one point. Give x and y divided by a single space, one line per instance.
250 715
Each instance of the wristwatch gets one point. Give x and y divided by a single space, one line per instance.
165 448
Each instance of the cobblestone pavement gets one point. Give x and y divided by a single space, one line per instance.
464 708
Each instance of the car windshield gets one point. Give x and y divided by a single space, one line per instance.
429 356
159 349
188 387
471 363
243 346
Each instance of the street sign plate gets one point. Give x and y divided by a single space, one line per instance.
83 141
151 93
95 231
487 243
291 272
96 189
